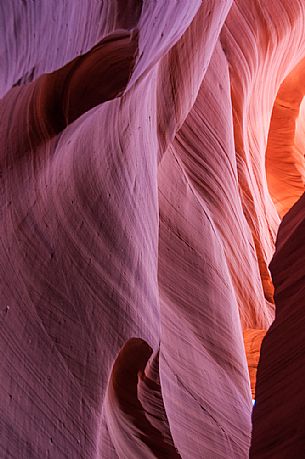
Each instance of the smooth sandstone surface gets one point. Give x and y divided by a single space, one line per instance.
148 151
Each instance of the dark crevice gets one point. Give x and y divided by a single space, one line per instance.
89 80
125 409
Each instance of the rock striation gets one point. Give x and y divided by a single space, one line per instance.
149 150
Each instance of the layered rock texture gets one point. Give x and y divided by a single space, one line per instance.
148 151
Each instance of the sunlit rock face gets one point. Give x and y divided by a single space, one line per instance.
253 341
144 172
285 163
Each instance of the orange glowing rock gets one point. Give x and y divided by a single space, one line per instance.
138 221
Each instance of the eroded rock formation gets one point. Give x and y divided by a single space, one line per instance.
278 427
143 176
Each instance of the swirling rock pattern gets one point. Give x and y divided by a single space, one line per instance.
143 178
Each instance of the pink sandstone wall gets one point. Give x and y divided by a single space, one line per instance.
148 152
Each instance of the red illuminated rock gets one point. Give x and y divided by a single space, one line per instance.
137 224
253 341
285 152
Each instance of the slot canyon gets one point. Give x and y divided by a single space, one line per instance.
152 276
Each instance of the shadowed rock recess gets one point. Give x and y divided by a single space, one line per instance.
149 151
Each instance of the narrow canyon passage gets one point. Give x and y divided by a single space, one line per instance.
279 398
152 229
285 169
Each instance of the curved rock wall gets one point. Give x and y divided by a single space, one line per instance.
137 224
278 427
285 164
